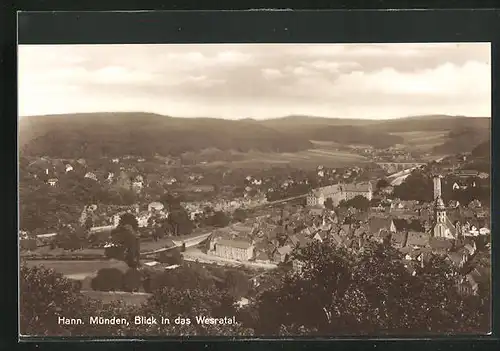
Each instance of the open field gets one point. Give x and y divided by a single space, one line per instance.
58 252
423 140
75 269
324 155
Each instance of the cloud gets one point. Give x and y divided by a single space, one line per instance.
257 80
271 73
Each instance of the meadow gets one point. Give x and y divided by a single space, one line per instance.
423 140
325 154
77 269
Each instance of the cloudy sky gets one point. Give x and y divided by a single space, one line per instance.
257 80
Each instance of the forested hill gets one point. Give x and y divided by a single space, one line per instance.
114 134
145 134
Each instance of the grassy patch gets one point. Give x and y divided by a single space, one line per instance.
423 139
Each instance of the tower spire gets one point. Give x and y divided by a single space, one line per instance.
437 186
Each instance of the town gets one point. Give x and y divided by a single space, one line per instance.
257 219
238 190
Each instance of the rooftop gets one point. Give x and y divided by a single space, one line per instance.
238 244
356 187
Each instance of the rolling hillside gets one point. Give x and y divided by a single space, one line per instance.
110 134
144 134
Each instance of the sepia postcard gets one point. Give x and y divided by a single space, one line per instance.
254 190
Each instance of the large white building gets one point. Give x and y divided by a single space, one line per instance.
234 249
339 192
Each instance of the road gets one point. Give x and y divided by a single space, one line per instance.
272 203
188 240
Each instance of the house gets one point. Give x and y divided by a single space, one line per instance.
321 236
473 282
143 218
400 224
234 249
458 258
467 286
387 190
110 177
316 210
376 224
471 248
69 168
298 240
137 186
440 245
417 239
23 235
171 181
475 204
298 266
91 175
399 239
257 182
464 173
484 231
282 253
344 230
336 239
397 205
46 238
52 181
115 160
155 206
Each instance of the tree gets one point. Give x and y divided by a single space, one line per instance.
179 222
125 238
360 202
130 219
239 215
108 279
170 202
132 280
44 296
329 204
171 257
182 278
219 219
417 186
382 183
89 223
192 303
341 293
237 284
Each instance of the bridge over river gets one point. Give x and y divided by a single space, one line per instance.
392 167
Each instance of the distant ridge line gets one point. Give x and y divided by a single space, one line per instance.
252 119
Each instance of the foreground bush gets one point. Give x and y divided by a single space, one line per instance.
132 280
108 279
44 297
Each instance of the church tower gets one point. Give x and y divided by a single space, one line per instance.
443 228
440 211
437 186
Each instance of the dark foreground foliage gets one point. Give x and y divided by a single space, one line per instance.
337 293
